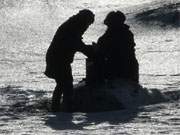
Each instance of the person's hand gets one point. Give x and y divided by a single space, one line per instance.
94 46
94 43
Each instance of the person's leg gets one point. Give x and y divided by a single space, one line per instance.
56 98
67 97
67 88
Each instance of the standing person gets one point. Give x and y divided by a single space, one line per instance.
115 56
67 40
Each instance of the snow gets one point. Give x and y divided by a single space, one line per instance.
26 29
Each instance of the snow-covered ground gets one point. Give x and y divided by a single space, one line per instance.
26 30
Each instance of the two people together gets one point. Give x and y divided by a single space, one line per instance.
113 56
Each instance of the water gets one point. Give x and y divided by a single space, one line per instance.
26 30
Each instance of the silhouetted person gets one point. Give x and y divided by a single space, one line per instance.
115 55
67 40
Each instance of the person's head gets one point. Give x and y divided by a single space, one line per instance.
85 18
77 24
86 15
115 18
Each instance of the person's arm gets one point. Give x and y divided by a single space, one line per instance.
87 50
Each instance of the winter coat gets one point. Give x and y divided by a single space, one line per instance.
61 52
116 53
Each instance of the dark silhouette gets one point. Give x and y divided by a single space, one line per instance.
66 42
115 52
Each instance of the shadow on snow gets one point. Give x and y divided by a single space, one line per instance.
133 104
17 104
